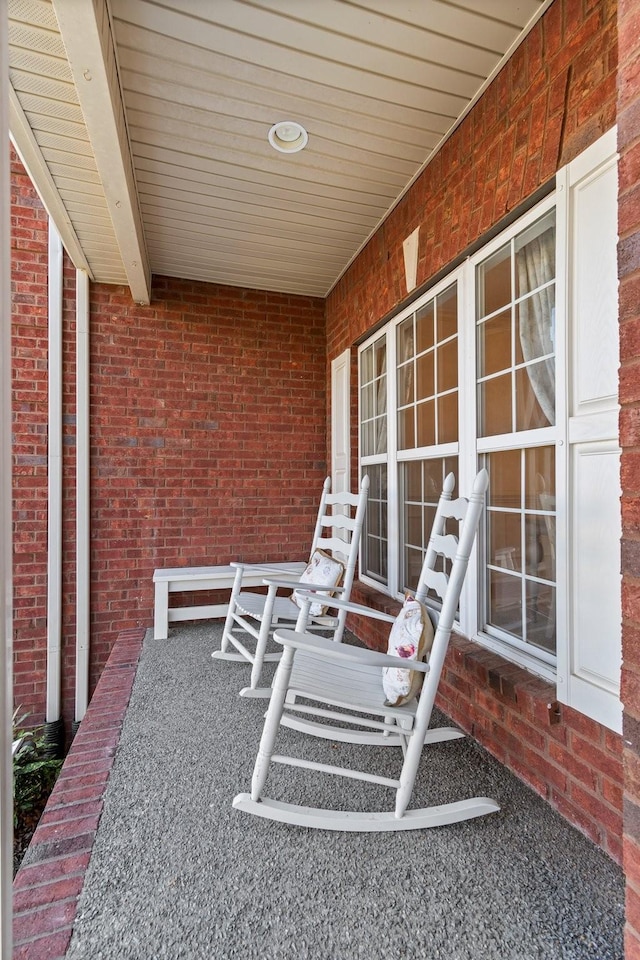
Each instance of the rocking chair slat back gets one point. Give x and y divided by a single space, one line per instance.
252 616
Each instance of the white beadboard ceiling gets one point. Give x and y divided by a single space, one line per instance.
144 125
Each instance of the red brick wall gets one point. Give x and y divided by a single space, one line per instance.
629 273
554 97
207 437
29 237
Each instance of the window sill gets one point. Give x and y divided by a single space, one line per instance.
507 681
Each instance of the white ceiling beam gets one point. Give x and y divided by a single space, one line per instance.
34 163
86 33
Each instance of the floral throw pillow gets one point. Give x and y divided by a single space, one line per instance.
411 638
324 570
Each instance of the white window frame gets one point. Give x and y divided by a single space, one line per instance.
537 661
393 457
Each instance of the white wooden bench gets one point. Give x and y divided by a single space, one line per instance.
188 579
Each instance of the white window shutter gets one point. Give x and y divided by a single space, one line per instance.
340 423
589 659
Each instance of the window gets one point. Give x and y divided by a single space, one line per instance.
477 372
413 416
515 308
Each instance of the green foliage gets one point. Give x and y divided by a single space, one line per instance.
34 772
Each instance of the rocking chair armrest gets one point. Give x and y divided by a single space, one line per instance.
310 587
356 608
326 647
297 567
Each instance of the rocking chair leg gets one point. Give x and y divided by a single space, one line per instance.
272 722
412 755
263 638
228 624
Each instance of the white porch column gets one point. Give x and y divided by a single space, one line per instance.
6 588
82 495
54 470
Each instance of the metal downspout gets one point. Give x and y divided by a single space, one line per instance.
54 729
82 496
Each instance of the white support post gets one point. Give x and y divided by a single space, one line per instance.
83 568
54 466
6 587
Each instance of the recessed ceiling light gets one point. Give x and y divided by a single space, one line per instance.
287 136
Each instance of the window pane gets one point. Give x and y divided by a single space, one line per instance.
367 439
373 398
536 318
448 418
520 541
540 470
534 550
541 616
494 344
528 350
494 282
405 384
434 475
405 339
406 431
413 524
424 327
426 424
380 428
366 365
366 402
413 560
505 602
448 366
504 478
381 395
425 373
413 480
494 406
447 306
535 250
420 485
380 347
504 540
532 383
374 535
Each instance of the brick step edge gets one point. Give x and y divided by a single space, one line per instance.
49 881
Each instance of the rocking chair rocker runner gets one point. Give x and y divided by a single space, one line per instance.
349 681
330 570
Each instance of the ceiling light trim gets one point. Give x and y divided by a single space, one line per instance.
288 136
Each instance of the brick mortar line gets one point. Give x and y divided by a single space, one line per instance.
125 665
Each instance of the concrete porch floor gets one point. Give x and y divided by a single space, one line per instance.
159 865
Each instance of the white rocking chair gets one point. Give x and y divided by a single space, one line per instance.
348 680
255 615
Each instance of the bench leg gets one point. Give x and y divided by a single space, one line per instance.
161 611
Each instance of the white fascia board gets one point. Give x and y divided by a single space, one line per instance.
86 33
34 163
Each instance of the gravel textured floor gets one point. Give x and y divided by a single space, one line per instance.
177 873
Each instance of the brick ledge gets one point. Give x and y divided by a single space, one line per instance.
49 882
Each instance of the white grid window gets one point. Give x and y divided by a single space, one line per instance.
467 377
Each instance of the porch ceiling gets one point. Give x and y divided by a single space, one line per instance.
144 125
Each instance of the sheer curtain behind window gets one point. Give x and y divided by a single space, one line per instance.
536 266
381 407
